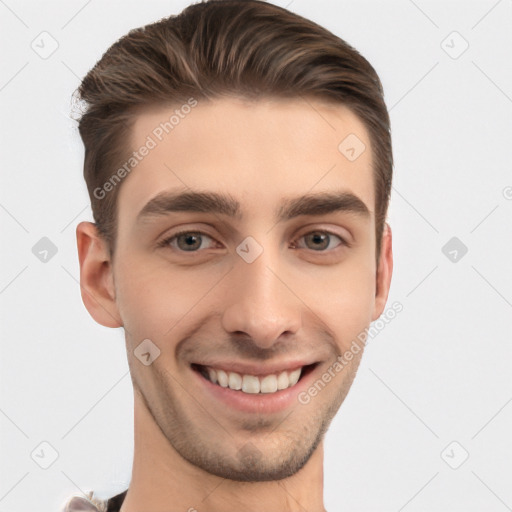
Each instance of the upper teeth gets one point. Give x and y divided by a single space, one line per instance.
253 384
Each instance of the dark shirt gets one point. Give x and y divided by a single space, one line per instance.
114 503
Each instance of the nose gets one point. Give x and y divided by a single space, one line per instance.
260 301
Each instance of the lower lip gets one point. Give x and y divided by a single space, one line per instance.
262 403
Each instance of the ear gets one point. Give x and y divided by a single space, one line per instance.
384 272
96 277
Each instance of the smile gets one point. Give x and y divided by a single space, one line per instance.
252 384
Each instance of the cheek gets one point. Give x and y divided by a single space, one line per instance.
344 301
153 298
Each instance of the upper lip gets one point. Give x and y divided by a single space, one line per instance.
258 369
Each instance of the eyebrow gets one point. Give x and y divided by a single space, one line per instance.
213 202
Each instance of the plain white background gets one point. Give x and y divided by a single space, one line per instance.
434 385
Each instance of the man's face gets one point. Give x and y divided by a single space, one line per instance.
253 292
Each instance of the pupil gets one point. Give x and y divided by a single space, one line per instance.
320 237
189 238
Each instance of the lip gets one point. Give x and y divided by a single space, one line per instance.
259 403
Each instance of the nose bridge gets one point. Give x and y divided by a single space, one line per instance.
258 302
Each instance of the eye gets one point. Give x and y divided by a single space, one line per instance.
321 240
187 241
192 241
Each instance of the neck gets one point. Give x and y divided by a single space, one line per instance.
163 480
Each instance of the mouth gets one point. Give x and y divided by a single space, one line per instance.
269 384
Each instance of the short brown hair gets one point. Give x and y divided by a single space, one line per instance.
216 48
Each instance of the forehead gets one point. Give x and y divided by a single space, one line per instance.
257 151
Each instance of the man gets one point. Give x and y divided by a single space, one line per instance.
238 160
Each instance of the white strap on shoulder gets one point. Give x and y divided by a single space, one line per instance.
87 503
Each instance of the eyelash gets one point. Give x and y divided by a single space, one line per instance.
166 242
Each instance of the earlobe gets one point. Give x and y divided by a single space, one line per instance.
384 272
96 277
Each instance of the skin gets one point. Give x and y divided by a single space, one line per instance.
292 301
